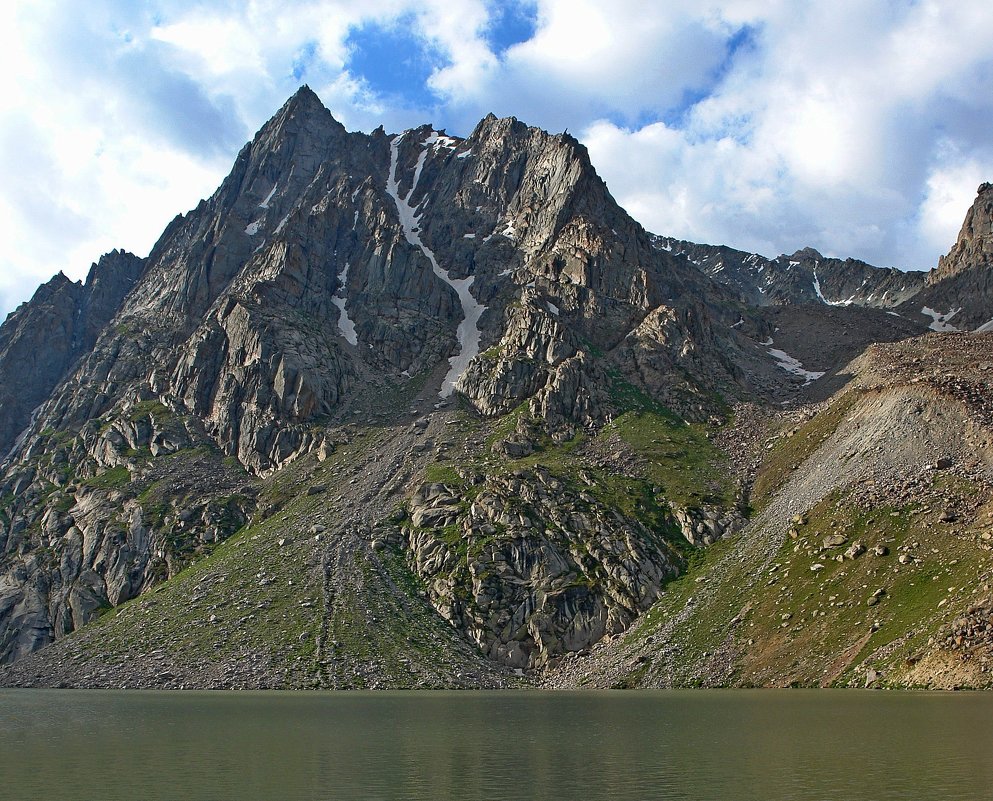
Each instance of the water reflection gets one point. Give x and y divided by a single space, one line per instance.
733 746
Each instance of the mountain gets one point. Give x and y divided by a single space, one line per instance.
961 283
414 410
41 340
804 277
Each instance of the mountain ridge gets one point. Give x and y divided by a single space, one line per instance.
447 379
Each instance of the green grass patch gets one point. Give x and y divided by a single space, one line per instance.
678 456
112 478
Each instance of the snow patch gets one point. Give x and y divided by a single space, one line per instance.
505 272
509 231
820 294
939 321
817 287
464 155
468 236
985 328
552 308
346 327
794 366
253 228
265 203
468 330
739 323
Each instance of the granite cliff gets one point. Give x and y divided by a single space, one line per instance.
414 410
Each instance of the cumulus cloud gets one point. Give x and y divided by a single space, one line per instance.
845 127
861 129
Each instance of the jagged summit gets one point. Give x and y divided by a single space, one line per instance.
957 292
446 379
974 246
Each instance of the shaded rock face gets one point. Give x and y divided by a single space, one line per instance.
974 246
959 291
104 516
803 277
531 569
41 340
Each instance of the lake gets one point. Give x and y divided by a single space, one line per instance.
727 745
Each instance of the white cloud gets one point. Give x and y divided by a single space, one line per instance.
848 121
859 128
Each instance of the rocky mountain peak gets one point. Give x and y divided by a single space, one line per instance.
44 337
807 254
974 246
283 362
304 104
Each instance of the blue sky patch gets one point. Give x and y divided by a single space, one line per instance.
303 59
394 61
742 41
512 23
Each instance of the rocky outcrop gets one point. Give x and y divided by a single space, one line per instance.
959 291
974 246
531 568
43 338
536 354
705 526
103 517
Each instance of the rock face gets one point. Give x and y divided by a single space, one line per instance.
333 285
803 277
532 570
959 289
41 340
974 246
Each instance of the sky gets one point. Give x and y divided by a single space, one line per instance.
859 127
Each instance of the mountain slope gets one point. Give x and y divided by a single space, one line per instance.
404 410
869 559
328 269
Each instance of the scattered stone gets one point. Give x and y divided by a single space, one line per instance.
834 540
856 550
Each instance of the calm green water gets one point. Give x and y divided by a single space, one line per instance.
732 746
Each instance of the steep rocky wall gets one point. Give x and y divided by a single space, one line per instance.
41 340
531 569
